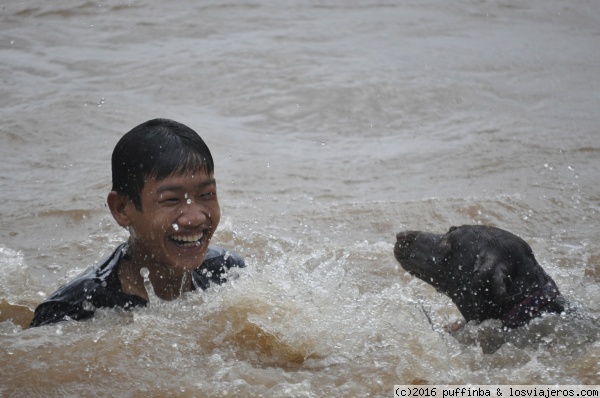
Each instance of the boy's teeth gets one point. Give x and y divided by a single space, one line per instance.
189 238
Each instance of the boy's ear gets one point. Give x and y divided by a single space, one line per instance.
120 207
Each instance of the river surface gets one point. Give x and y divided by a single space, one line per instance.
334 125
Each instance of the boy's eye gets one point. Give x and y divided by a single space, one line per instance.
207 195
168 201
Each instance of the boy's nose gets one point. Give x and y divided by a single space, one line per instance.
193 214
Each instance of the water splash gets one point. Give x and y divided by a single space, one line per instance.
152 297
184 282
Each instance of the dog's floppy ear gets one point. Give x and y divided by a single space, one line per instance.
490 272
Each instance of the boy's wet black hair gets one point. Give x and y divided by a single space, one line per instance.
157 148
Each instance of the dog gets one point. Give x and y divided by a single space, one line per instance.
489 273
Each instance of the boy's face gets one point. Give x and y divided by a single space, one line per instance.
178 218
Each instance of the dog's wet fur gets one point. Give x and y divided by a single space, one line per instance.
486 271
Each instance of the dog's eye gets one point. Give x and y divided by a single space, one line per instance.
445 244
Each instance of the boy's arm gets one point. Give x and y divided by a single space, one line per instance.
55 311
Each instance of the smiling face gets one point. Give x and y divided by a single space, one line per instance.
175 224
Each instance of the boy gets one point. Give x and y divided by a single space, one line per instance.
165 194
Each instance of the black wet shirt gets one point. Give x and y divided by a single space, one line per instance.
99 287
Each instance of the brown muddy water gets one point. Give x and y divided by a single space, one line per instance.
333 126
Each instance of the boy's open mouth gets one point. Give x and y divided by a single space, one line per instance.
186 241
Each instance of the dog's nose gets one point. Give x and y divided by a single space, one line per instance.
404 241
406 236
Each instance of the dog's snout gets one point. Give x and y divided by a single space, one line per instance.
404 240
406 237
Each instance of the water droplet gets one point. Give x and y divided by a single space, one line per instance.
175 227
189 201
87 306
145 272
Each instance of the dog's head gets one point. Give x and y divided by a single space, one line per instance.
484 270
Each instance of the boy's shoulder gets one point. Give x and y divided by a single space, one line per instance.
95 287
99 286
216 265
